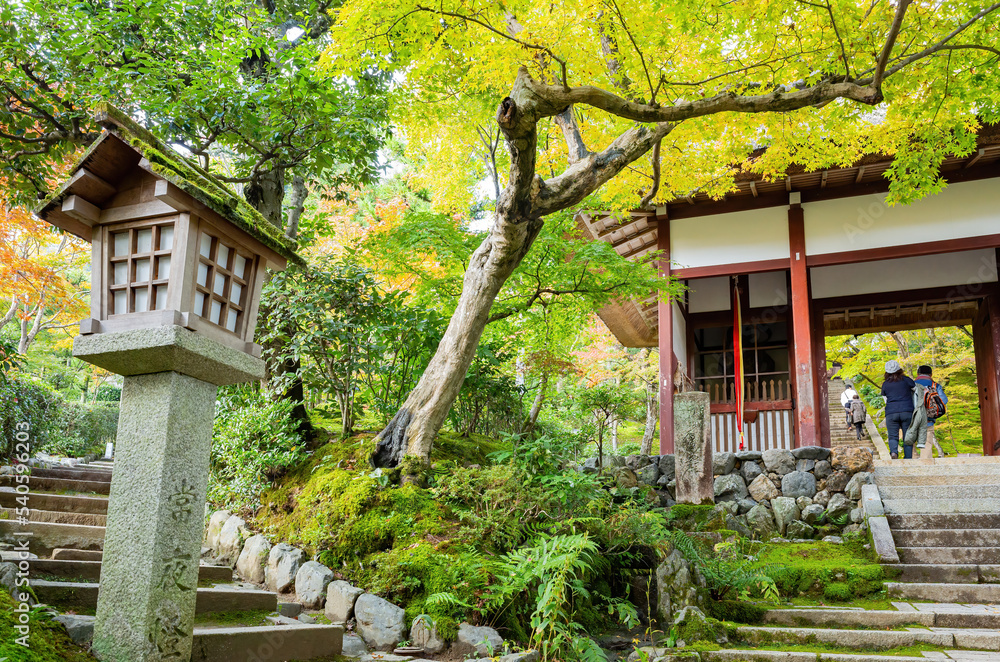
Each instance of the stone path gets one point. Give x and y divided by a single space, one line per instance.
68 506
840 436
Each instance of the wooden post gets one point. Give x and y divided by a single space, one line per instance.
803 357
668 361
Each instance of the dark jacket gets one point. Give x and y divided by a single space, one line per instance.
898 396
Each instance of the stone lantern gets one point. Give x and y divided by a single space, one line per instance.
178 261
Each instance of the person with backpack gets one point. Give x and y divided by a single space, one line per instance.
897 389
858 415
846 398
935 401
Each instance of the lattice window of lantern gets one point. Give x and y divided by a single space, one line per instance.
222 282
139 269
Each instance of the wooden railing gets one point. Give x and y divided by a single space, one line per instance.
768 413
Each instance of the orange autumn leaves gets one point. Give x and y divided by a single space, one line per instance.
43 280
354 225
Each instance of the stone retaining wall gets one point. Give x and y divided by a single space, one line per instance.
805 493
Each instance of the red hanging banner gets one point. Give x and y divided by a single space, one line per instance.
739 375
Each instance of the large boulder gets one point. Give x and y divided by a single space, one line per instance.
625 477
730 488
215 523
353 646
811 453
423 634
310 584
748 456
591 466
649 474
852 460
837 481
798 484
760 522
667 467
785 512
282 564
340 599
379 622
723 463
813 514
853 489
799 529
79 628
692 625
750 470
778 461
838 507
483 641
805 465
253 559
822 469
762 489
231 538
678 585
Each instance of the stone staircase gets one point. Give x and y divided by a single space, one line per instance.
66 534
840 436
944 516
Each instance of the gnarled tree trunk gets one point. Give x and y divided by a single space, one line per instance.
528 198
536 406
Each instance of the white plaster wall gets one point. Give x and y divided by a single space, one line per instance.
708 294
746 236
967 209
908 273
680 336
768 289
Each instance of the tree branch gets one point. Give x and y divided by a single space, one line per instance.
890 42
646 199
566 120
930 50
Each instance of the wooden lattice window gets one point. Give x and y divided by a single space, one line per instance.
222 282
139 270
765 361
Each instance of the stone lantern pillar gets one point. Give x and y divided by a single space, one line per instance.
178 261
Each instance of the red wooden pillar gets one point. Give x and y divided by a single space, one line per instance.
668 361
804 351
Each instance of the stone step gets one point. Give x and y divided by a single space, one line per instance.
73 474
938 467
936 480
759 655
948 555
971 492
91 570
939 506
883 618
83 596
276 642
77 555
960 593
42 484
947 538
872 640
945 521
45 537
57 517
937 573
62 503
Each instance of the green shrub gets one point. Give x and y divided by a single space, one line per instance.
254 442
838 591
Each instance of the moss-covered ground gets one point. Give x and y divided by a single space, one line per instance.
48 641
836 573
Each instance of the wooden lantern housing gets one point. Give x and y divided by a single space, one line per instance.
171 245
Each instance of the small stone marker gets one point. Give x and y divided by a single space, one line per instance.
693 448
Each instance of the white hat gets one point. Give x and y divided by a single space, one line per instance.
892 367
